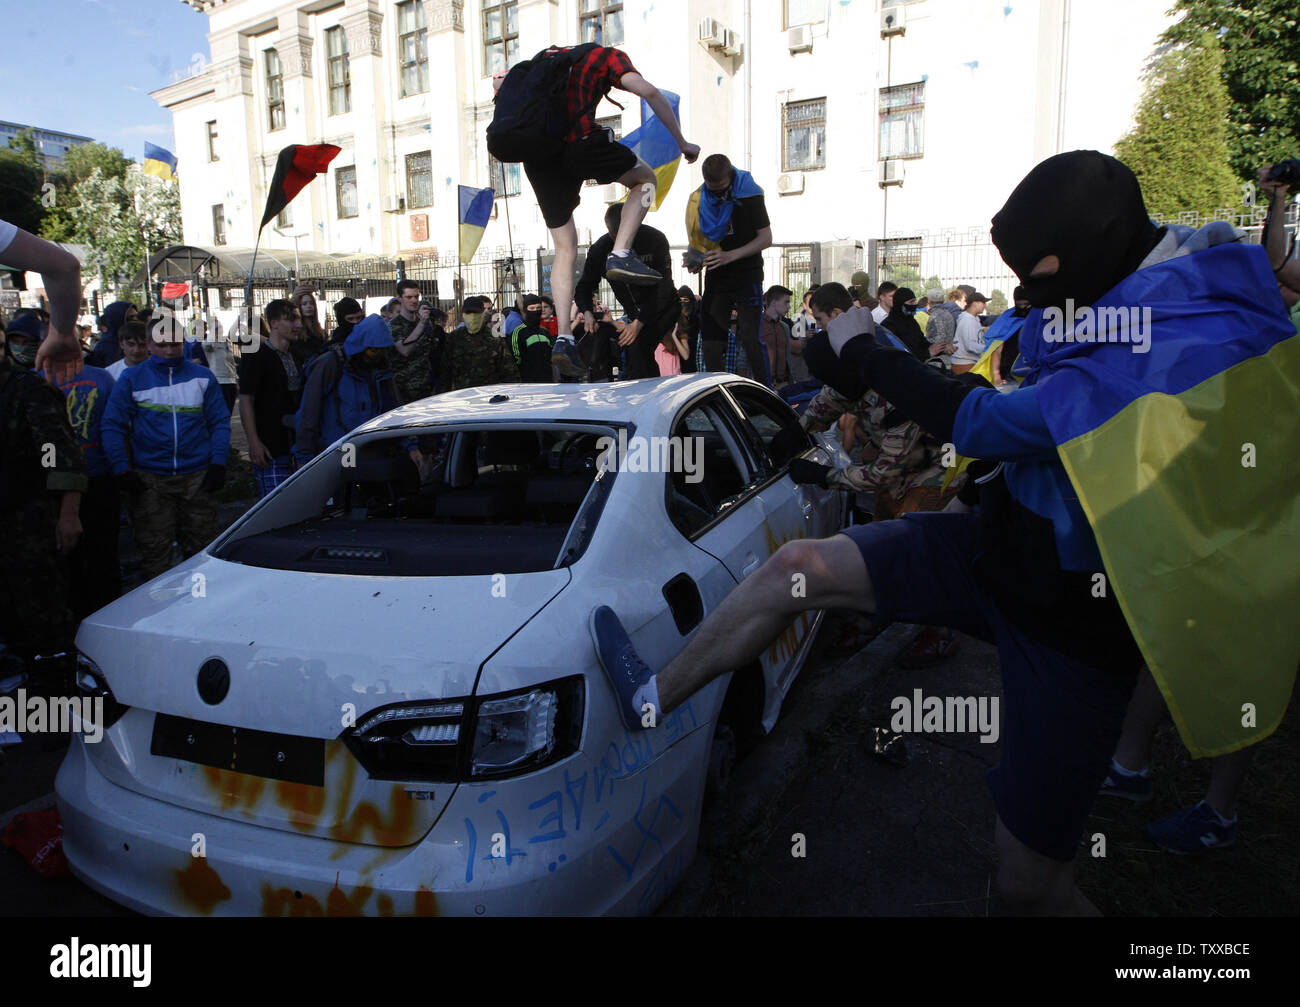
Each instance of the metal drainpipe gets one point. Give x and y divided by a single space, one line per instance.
749 91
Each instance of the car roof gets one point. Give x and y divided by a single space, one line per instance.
642 402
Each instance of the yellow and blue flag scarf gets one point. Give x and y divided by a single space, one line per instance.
475 212
1184 461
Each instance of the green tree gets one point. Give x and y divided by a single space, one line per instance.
21 178
1179 146
1261 69
117 217
997 303
78 165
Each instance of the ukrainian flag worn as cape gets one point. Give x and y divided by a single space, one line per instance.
1185 463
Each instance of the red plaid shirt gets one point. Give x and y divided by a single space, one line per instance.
589 80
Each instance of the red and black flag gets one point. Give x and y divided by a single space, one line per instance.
297 165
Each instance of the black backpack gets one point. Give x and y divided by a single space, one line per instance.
532 112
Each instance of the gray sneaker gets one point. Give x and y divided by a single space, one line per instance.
630 269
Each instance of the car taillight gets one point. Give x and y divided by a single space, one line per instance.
91 682
417 741
455 740
517 733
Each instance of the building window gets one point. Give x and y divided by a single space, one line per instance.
902 121
799 12
345 186
803 127
500 36
340 78
412 44
219 224
212 141
284 219
505 177
419 179
601 21
274 91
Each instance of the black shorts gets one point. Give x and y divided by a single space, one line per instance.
1060 718
557 183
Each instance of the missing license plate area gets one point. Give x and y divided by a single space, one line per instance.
243 750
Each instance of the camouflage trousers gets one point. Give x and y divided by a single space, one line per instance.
35 615
171 509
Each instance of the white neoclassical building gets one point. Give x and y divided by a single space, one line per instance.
946 102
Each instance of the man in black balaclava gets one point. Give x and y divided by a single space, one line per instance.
531 344
1018 573
347 313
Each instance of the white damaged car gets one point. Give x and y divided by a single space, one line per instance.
376 693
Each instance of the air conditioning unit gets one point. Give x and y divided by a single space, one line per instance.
611 193
394 204
891 173
892 22
731 44
790 184
799 39
711 33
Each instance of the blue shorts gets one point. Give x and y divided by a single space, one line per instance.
1060 717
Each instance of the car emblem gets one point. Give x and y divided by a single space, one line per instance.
214 681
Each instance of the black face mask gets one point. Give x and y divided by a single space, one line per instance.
1085 208
532 319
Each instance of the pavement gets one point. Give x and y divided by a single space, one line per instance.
813 823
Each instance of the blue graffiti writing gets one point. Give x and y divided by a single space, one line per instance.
648 835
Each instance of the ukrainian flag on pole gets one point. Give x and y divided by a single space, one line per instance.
475 212
159 162
1184 459
654 144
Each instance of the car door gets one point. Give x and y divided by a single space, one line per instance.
714 501
791 511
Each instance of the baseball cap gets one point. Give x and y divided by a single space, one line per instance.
966 289
971 298
25 325
935 294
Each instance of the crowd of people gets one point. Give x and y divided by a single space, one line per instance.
142 432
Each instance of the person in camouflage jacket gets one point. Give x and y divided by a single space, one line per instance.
906 460
470 355
42 477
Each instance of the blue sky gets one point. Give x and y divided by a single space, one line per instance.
87 66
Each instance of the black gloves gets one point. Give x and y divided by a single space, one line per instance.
809 473
130 482
213 479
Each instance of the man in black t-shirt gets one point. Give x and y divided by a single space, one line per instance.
728 210
269 390
652 309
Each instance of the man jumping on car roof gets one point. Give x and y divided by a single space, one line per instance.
524 129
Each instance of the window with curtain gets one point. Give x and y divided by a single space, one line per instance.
274 91
600 21
345 187
500 36
803 126
419 179
412 47
902 121
340 79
